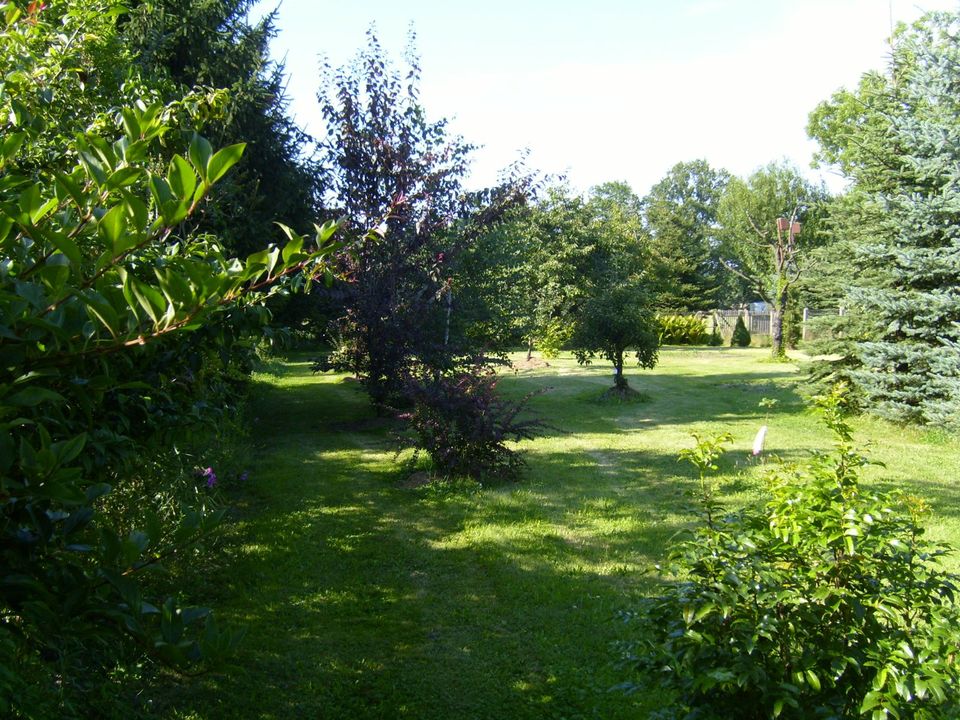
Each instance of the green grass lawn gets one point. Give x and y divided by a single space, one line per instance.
366 599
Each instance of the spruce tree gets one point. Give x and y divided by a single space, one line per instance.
911 364
680 214
201 45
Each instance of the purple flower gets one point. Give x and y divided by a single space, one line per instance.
243 476
210 475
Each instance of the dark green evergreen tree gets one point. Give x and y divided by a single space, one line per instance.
908 203
213 44
680 214
741 336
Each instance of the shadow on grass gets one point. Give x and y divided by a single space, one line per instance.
364 600
671 399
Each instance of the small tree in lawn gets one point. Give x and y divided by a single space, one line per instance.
741 336
613 324
615 313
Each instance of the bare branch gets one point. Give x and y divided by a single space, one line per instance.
756 284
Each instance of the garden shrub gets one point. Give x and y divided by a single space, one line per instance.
825 601
464 426
793 326
741 336
683 330
121 332
555 335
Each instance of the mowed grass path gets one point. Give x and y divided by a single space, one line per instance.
365 599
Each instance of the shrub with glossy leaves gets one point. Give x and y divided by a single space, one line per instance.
99 270
682 330
826 601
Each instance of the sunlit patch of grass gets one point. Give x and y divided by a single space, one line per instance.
367 599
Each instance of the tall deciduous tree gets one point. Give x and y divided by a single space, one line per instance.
396 172
761 250
527 272
680 213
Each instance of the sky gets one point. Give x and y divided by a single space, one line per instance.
609 89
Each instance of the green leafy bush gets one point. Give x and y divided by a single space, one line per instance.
120 329
826 601
554 336
683 330
741 336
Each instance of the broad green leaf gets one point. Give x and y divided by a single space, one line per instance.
200 154
292 249
870 701
112 229
6 225
181 179
223 160
64 244
69 187
55 273
130 123
161 191
32 396
138 209
69 450
99 309
11 145
123 177
151 301
174 286
93 167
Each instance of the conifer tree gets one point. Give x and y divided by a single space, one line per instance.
680 213
904 166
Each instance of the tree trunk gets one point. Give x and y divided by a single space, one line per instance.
777 312
619 381
530 348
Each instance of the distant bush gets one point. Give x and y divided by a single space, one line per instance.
464 426
741 336
682 330
793 326
555 335
824 602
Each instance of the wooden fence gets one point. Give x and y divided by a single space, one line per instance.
758 323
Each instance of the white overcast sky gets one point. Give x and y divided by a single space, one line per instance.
609 89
